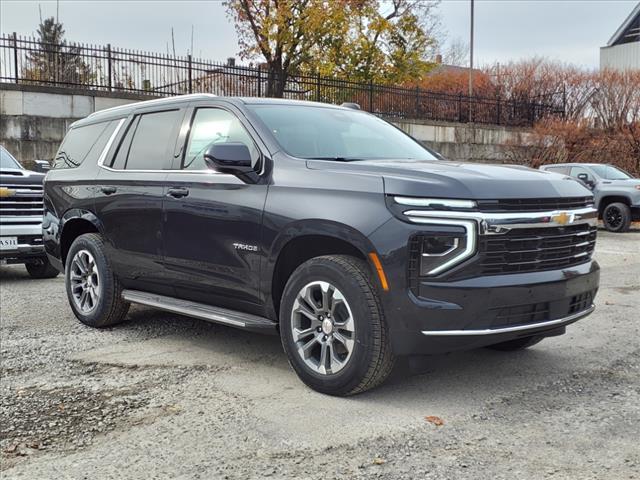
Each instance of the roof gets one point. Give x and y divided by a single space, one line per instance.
574 164
124 110
619 35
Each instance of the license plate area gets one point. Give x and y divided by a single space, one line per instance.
8 243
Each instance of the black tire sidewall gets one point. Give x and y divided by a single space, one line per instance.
626 217
92 243
357 367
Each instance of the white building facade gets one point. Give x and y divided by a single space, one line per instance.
622 52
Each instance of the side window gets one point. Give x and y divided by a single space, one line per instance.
575 171
562 170
83 144
123 150
148 143
213 125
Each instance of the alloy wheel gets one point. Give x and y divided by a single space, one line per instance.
322 327
614 218
85 281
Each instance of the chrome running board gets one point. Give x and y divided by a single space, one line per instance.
201 311
515 328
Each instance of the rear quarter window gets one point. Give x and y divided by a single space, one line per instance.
562 170
83 144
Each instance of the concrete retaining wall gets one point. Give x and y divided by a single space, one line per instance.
34 121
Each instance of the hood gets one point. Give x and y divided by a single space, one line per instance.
628 183
17 176
445 179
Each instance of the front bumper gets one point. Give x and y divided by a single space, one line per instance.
457 312
30 247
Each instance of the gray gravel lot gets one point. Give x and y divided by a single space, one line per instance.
164 396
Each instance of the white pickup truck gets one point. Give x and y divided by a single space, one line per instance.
21 212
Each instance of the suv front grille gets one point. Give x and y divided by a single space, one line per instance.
535 249
24 201
533 204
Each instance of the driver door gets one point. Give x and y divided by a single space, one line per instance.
213 221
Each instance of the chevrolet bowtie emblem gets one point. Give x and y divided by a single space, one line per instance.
6 192
562 218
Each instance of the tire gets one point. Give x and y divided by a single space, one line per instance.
517 344
616 217
106 307
358 350
42 270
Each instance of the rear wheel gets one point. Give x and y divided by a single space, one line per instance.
616 217
94 292
41 269
332 326
517 344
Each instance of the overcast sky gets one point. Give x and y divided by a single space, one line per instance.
571 30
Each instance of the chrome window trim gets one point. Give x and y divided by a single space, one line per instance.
107 147
496 223
470 248
435 202
515 328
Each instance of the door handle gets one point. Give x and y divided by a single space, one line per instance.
108 190
178 192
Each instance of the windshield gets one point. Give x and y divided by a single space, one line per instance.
608 172
332 134
7 161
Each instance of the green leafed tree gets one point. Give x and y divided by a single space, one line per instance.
360 40
54 60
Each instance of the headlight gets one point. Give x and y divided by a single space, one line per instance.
436 203
439 251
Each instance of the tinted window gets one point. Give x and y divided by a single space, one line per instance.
562 170
212 125
153 140
123 150
82 144
575 171
7 160
331 133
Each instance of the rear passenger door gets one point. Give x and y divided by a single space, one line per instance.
129 197
213 220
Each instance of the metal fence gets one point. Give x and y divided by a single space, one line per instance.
25 60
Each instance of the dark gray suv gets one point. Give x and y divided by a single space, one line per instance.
323 224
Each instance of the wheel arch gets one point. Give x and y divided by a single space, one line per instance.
302 241
607 200
74 223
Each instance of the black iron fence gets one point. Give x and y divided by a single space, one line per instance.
25 60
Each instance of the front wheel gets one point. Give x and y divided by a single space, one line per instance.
332 326
616 217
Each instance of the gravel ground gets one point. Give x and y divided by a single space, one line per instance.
164 396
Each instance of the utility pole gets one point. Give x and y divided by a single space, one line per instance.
471 62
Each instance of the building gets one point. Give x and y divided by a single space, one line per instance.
623 49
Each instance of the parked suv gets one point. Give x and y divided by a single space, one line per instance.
325 224
21 217
617 193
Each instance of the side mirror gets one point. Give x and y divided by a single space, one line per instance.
42 166
232 157
584 178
